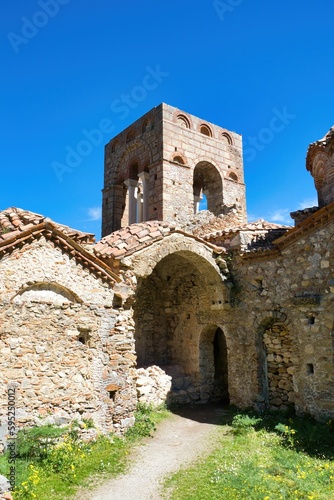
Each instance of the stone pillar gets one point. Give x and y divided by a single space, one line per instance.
132 192
197 201
144 181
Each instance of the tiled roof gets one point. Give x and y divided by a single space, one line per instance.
14 221
22 228
132 238
258 225
316 220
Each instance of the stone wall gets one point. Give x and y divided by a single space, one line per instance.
64 346
285 312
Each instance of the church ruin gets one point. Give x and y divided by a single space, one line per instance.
173 303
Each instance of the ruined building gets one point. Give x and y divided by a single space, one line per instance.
173 303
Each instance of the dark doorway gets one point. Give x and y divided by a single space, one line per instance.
220 384
213 365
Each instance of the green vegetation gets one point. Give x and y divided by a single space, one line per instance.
270 458
52 462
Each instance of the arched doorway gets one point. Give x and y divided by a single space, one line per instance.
213 365
170 310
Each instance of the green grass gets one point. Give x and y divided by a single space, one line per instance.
57 468
271 458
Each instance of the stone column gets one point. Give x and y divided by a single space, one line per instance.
132 192
197 201
144 181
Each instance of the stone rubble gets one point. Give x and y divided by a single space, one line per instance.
153 385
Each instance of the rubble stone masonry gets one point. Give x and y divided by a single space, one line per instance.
68 351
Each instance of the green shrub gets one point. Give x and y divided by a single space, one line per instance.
242 424
35 443
144 422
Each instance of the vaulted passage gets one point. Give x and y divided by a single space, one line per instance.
172 308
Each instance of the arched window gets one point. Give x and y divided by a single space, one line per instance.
205 130
180 159
233 177
114 146
138 190
147 125
131 135
183 121
226 138
207 181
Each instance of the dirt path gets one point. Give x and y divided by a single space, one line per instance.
178 441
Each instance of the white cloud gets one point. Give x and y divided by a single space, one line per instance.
281 215
94 213
253 217
311 202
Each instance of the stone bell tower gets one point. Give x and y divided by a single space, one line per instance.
320 163
160 167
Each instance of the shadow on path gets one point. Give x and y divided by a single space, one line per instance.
209 413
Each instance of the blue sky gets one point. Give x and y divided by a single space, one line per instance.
236 63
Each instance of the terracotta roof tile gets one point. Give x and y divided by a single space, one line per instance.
15 220
132 238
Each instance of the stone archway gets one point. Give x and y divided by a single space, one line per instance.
170 305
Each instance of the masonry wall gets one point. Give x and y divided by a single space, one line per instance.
285 313
63 345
